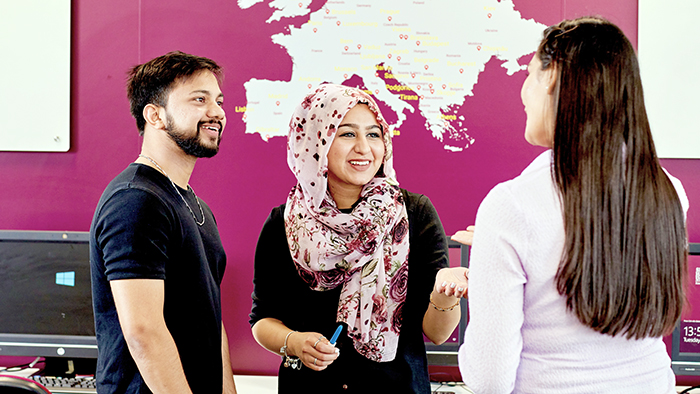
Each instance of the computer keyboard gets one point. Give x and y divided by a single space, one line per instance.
60 385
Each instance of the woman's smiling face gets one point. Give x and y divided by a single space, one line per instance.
357 151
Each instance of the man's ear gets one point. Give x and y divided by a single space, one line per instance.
153 116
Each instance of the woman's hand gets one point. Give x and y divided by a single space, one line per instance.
443 313
452 282
314 350
464 237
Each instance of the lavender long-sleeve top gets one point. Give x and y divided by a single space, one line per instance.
520 337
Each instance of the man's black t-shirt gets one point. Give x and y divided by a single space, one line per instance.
142 229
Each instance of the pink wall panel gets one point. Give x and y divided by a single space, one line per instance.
58 191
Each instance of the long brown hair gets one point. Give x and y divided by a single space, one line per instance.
624 263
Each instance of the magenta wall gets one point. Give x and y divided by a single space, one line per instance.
59 191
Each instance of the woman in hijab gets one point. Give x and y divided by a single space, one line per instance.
351 250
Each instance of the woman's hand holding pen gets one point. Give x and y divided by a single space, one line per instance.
314 350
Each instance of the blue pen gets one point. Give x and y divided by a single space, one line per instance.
336 334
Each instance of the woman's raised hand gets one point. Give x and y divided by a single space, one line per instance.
314 350
464 237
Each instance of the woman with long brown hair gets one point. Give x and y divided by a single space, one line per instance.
578 264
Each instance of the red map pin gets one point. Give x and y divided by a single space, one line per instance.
315 30
398 58
478 47
278 103
444 86
489 15
337 23
418 43
432 91
359 46
389 18
430 85
461 70
389 56
426 66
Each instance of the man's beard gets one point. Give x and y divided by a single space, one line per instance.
192 146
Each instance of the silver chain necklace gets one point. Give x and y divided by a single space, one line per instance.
180 194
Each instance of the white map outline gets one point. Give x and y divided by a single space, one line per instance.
421 42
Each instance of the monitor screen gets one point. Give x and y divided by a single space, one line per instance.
446 353
45 285
685 345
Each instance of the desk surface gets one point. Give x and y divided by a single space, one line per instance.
255 384
251 384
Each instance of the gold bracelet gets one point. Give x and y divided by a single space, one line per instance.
442 309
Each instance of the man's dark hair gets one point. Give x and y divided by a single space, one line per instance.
151 82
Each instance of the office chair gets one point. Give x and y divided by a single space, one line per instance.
16 385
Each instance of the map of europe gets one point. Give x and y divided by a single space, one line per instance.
423 56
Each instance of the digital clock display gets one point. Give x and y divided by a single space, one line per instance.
690 336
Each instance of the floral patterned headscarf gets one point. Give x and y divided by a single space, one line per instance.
365 251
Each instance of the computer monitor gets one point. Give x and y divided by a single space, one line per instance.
46 307
446 353
685 342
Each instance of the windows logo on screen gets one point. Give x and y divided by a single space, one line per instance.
65 278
